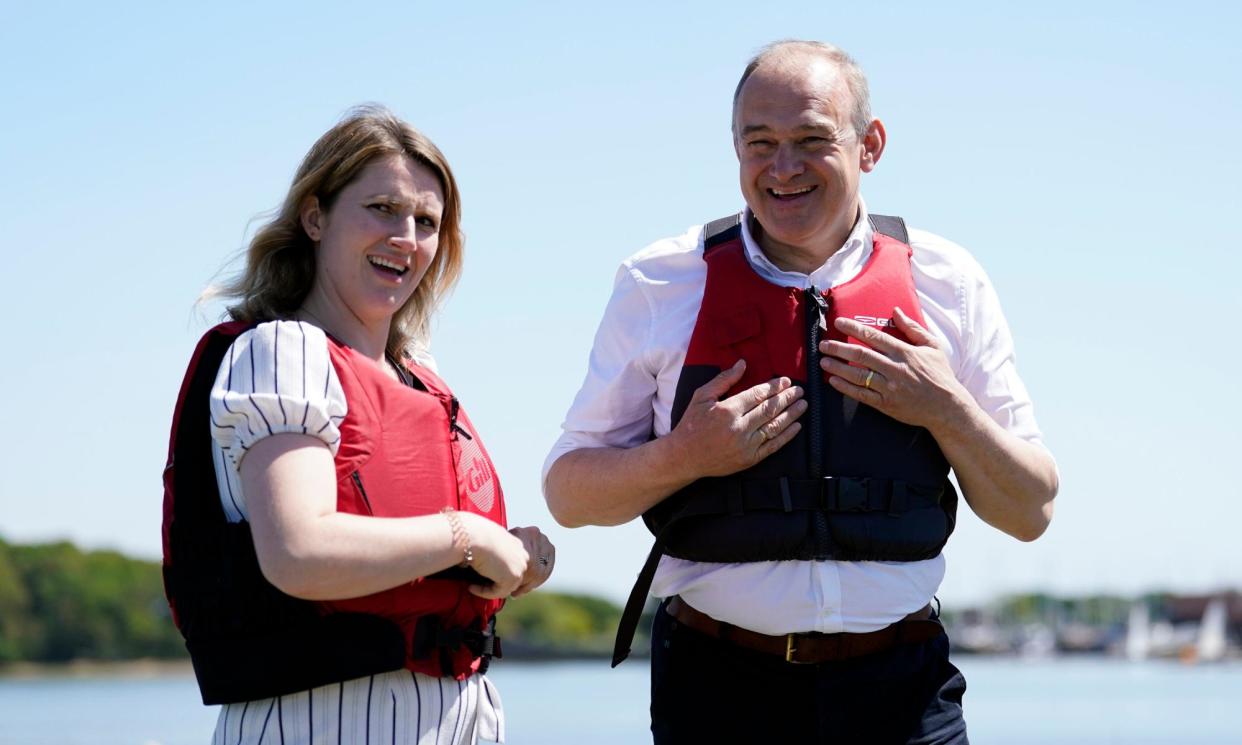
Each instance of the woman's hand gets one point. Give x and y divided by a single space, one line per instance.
542 558
498 555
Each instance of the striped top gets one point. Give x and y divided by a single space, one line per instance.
278 378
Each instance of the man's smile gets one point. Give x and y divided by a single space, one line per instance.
786 193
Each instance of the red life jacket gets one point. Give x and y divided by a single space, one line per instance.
854 484
404 451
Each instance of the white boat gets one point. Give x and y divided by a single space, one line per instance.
1211 644
1138 633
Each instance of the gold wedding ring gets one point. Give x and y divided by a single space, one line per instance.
867 382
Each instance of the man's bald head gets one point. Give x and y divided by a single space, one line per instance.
793 54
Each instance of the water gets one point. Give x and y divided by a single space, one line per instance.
1009 702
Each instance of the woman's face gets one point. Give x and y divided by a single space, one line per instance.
378 238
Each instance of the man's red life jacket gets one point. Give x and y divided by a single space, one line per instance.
404 451
854 484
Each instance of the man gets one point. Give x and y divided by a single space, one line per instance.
781 396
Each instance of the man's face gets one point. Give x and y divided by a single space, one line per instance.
800 157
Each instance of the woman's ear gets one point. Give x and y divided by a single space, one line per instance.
312 218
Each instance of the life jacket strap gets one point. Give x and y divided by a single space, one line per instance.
431 636
892 226
729 227
733 496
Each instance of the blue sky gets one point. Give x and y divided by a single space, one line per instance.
1088 157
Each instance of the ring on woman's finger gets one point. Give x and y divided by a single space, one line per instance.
867 380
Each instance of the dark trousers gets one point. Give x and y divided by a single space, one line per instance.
704 690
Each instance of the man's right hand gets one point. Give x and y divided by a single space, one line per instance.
714 437
717 437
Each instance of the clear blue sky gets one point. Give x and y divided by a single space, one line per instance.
1089 158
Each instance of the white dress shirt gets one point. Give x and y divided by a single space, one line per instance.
632 377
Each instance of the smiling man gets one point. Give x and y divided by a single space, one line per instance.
781 395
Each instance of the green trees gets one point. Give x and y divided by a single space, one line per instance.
60 603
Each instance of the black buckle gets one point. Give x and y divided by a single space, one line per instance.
430 636
846 494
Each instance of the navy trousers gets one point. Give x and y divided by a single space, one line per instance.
705 690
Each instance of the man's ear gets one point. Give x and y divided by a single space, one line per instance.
872 146
312 218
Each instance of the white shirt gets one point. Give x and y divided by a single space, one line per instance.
632 377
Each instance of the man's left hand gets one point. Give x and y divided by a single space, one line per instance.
911 382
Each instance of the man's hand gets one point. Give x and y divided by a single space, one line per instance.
1009 482
912 383
611 486
718 437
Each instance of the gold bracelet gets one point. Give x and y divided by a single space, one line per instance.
461 538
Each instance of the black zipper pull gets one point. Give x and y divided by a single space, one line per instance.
821 305
457 429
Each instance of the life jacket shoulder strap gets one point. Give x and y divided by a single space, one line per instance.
720 231
892 226
729 227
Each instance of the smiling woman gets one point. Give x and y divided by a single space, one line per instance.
335 548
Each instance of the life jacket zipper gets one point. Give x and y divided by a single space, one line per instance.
817 308
357 477
457 429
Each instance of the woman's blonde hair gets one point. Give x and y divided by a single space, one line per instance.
280 261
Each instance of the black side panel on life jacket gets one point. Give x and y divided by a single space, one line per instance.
247 640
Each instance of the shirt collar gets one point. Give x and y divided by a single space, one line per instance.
842 266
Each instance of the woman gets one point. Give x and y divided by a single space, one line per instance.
337 566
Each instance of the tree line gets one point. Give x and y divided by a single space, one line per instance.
60 603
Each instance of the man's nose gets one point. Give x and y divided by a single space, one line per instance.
786 163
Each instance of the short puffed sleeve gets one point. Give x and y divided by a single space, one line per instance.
276 378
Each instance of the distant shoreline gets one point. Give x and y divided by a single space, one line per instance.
141 668
156 668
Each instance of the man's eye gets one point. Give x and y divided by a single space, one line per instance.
383 208
759 144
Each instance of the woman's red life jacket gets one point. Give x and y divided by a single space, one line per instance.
404 451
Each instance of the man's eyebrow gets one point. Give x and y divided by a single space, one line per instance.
753 128
816 127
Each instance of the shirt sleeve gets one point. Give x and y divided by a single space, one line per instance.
989 367
613 407
276 378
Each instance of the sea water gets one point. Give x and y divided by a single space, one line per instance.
1008 702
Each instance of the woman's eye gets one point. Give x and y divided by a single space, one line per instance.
427 222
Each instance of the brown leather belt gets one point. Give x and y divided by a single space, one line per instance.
812 647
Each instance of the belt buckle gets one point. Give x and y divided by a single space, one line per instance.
790 648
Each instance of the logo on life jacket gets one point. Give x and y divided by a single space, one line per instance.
479 483
874 321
